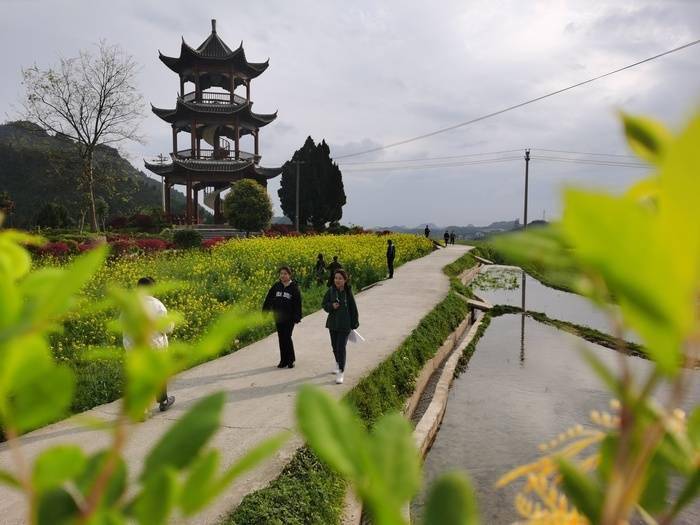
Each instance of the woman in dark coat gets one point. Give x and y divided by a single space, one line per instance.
320 269
284 300
340 304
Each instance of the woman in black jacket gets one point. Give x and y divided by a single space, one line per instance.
284 300
340 304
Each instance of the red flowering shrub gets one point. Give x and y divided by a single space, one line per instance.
118 222
87 246
122 246
57 249
151 245
141 221
210 243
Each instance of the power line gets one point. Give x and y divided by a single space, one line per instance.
585 153
431 166
592 162
431 158
516 106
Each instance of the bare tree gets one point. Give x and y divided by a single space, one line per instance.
91 99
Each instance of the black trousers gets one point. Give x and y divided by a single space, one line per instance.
339 340
390 265
284 334
163 395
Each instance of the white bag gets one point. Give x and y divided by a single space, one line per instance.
355 337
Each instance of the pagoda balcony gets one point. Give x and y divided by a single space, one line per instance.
221 154
213 98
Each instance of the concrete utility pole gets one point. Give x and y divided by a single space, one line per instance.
527 165
296 215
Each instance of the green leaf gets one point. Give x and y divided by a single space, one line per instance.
395 457
33 389
647 138
688 493
332 432
9 479
451 501
581 490
55 466
146 371
51 292
181 444
157 499
117 482
56 507
693 426
196 491
607 451
653 498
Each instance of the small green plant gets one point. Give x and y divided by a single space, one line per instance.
65 484
187 238
247 206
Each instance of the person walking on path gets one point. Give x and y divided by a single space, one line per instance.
343 316
157 340
332 267
320 269
452 238
284 300
426 231
446 236
390 256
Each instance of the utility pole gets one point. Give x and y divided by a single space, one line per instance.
527 165
296 215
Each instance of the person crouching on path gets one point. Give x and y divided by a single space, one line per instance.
339 302
158 340
284 300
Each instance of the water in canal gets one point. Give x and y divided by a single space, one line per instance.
524 385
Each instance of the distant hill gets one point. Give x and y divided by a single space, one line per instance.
37 168
463 232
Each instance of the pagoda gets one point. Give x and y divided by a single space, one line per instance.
215 114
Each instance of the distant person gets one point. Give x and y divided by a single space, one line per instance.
452 237
284 300
320 269
390 256
426 231
156 340
332 267
446 236
340 304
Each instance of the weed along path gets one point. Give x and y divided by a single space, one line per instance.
261 397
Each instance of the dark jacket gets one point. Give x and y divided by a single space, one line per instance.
391 252
285 302
346 317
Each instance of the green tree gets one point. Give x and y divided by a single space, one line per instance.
53 215
321 191
247 206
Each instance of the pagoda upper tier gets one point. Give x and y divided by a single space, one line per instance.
215 113
214 61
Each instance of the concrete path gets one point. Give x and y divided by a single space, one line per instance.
260 396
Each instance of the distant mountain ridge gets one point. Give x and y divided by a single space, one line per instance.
466 232
37 168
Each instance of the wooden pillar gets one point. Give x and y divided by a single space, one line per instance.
232 85
257 141
193 133
217 209
199 147
237 140
188 207
167 209
174 140
197 89
182 85
247 90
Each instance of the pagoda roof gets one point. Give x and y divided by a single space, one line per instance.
179 170
213 52
207 113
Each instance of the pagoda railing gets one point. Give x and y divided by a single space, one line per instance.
221 154
212 98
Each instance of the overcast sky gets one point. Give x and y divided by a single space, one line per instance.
365 73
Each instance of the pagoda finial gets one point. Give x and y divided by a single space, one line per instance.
213 25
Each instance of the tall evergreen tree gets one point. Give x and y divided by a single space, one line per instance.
321 191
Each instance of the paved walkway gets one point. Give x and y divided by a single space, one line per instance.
261 396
